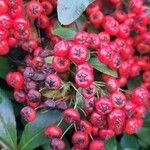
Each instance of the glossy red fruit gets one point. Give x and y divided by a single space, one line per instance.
43 21
4 47
3 7
78 54
3 34
124 30
124 69
21 24
106 134
140 96
96 18
89 92
130 108
120 15
104 37
5 22
71 115
28 114
83 78
116 120
133 125
60 64
52 81
57 144
98 120
105 54
111 26
85 126
140 112
97 145
15 79
13 3
80 139
86 67
104 105
53 131
47 7
93 7
115 1
146 76
16 11
135 6
82 38
94 41
20 96
61 49
112 85
89 105
34 9
11 41
118 99
134 70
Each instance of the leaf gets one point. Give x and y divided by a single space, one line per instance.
49 59
80 21
68 10
79 98
143 134
111 144
33 134
7 121
134 82
5 66
65 33
102 67
129 141
56 93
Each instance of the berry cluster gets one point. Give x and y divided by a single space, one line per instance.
108 106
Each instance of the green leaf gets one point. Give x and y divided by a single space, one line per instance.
69 10
111 144
79 22
65 33
129 141
5 66
33 134
56 93
79 98
102 67
49 59
134 82
7 121
144 135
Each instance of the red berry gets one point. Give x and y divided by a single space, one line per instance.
104 105
85 66
21 24
16 11
28 114
140 112
47 7
112 85
89 92
133 125
83 78
140 96
15 80
118 99
94 41
61 49
34 9
71 115
4 48
53 131
82 38
12 3
57 144
53 82
106 134
98 120
80 139
116 120
97 145
3 7
20 96
60 64
78 54
5 22
85 126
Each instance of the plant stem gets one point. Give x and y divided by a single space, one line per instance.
66 130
